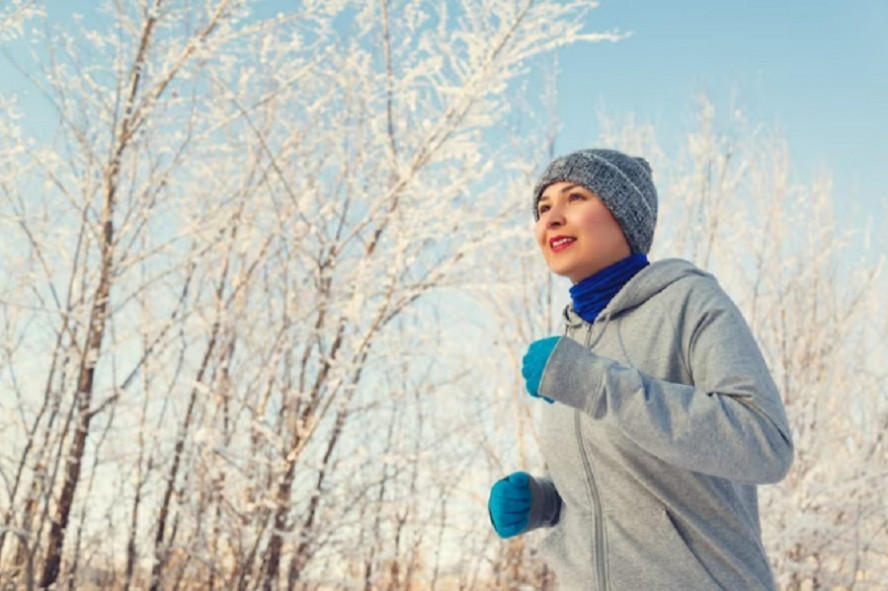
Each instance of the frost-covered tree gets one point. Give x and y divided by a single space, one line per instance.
267 278
226 254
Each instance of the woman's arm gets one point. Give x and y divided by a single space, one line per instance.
730 423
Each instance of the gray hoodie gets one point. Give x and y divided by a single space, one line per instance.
666 419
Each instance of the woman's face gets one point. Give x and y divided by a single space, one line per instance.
577 233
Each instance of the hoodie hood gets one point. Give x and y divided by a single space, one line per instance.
651 280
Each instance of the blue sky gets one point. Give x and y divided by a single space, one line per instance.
816 70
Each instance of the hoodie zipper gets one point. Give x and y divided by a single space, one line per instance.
600 550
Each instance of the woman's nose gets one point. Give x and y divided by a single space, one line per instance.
554 218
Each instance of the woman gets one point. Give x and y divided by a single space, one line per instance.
663 416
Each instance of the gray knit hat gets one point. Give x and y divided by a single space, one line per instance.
623 183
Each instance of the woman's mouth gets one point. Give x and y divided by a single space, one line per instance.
559 243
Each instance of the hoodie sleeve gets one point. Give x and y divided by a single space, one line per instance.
729 423
546 508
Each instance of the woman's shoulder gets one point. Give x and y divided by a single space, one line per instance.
674 275
682 281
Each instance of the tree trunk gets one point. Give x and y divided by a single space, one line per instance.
83 399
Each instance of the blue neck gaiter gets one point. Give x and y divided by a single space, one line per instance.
592 294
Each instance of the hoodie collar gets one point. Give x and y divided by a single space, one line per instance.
651 280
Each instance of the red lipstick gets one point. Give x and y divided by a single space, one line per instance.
559 243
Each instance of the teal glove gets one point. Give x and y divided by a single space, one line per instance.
520 503
510 504
535 362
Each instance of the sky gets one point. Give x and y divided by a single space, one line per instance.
815 70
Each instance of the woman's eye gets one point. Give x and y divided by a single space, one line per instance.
576 196
543 209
